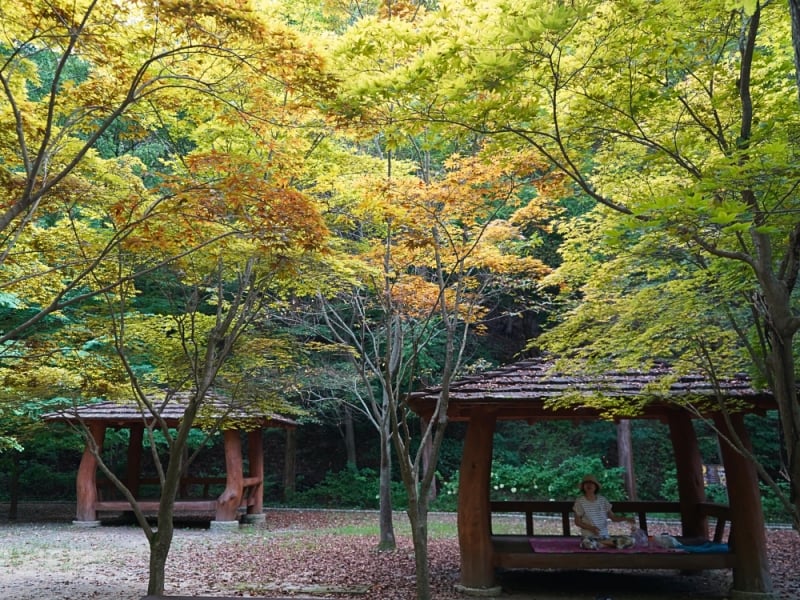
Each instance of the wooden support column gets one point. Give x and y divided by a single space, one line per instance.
255 459
748 534
228 503
689 467
474 513
86 482
135 459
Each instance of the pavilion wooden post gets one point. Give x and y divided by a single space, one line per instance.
255 459
228 503
689 468
474 512
86 481
135 458
748 533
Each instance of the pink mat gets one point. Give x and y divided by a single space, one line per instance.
566 545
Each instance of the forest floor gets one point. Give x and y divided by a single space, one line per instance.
311 554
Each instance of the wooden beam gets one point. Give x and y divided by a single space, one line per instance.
474 514
748 532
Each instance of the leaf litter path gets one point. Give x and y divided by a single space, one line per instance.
297 552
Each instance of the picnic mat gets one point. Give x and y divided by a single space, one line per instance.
567 544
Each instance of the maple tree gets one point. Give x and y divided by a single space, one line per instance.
424 285
678 121
69 75
82 225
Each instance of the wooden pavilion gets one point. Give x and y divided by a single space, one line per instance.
526 391
242 492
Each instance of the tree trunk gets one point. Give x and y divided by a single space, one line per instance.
748 532
161 538
349 437
13 485
159 550
794 11
428 461
781 365
418 518
387 539
289 464
625 455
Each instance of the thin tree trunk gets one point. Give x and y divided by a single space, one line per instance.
781 363
159 550
387 539
428 461
13 485
161 541
418 518
290 464
625 455
349 437
794 11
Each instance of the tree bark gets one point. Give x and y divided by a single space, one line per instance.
290 464
794 11
625 455
387 539
13 506
418 519
747 519
428 461
349 437
159 550
784 387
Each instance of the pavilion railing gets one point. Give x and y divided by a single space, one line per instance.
530 508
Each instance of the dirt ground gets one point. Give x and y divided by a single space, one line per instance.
304 554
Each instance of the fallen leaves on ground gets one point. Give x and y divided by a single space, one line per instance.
332 554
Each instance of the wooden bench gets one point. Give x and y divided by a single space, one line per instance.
203 505
513 551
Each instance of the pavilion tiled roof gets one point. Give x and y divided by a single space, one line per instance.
530 387
125 414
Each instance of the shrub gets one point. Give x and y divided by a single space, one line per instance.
348 488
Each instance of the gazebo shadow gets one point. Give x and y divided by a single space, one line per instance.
615 584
